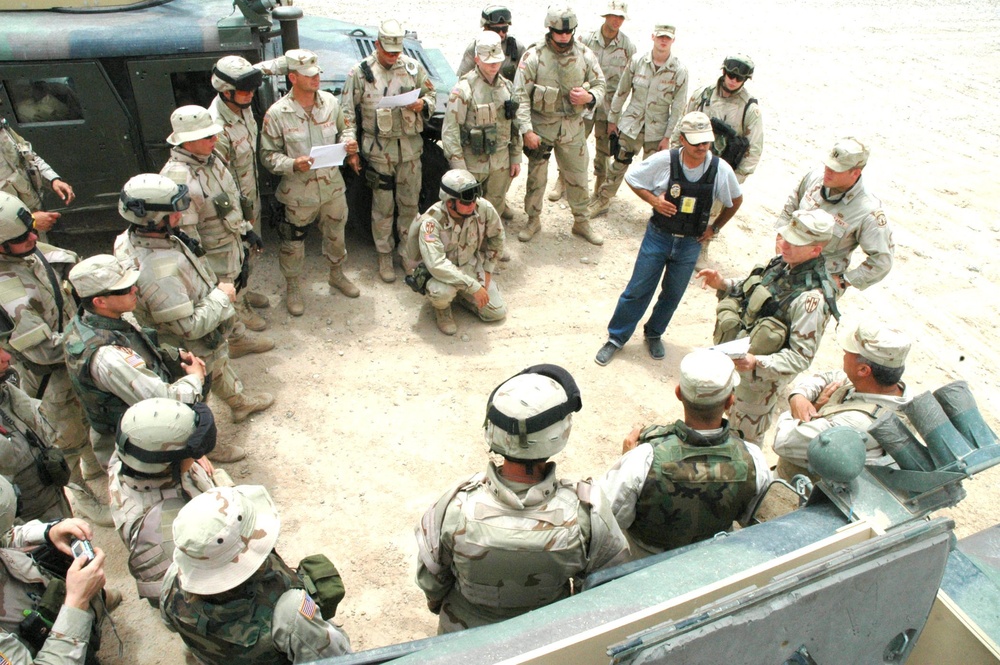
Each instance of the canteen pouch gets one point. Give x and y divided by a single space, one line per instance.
246 207
52 468
223 204
322 582
768 336
727 321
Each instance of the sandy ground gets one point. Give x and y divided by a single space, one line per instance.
377 413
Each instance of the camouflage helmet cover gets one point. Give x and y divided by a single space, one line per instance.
222 537
15 218
156 432
234 72
146 197
495 15
460 184
739 64
560 17
530 415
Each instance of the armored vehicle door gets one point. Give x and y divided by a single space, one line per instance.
76 121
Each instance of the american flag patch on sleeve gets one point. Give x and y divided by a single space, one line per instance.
308 608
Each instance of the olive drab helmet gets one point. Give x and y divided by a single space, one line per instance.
15 218
837 455
529 416
149 197
233 73
495 15
560 17
461 185
157 432
738 64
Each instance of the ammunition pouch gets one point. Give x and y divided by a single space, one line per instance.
480 140
545 99
543 151
768 336
727 320
376 180
418 280
621 156
386 121
510 107
223 204
322 582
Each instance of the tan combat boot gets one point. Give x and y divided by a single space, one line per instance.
89 507
250 318
445 322
226 453
385 269
249 344
528 232
582 228
598 182
339 281
598 206
244 404
557 190
257 299
293 297
507 214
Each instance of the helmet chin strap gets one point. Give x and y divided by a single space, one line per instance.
231 99
453 210
558 47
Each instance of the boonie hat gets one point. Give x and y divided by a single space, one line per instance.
222 537
191 123
390 36
808 227
100 274
302 62
616 8
697 128
664 30
488 48
707 377
847 153
877 342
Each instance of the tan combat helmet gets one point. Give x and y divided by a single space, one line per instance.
461 185
529 416
148 197
233 73
155 433
560 17
739 65
15 218
495 15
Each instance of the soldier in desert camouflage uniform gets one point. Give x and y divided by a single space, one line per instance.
230 596
35 301
839 189
305 118
22 174
510 540
655 85
480 129
215 217
457 244
556 82
159 465
42 495
23 584
178 294
496 19
614 50
389 138
681 483
785 321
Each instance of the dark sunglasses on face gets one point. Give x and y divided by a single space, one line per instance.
21 238
736 77
498 28
562 32
118 292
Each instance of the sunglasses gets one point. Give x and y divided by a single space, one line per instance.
21 238
119 292
498 28
739 78
562 32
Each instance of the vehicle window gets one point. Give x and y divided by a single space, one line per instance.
44 100
192 88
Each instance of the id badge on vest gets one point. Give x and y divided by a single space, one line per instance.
687 203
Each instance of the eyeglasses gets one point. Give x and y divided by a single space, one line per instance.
739 78
562 32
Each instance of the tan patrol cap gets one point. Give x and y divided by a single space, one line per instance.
191 123
488 48
707 377
616 8
697 128
302 62
99 274
808 227
222 537
877 342
847 153
390 36
664 30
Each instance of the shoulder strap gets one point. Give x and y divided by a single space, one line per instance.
56 288
706 97
752 100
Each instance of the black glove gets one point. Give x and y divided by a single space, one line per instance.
254 241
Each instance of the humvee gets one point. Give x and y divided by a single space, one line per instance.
91 84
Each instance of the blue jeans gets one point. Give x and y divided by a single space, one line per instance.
659 251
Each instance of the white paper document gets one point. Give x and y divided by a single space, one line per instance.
737 348
394 101
328 155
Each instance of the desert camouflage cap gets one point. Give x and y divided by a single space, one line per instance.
875 341
616 8
8 505
488 48
390 36
707 377
191 123
99 274
697 128
808 227
302 62
15 218
222 537
664 30
846 154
